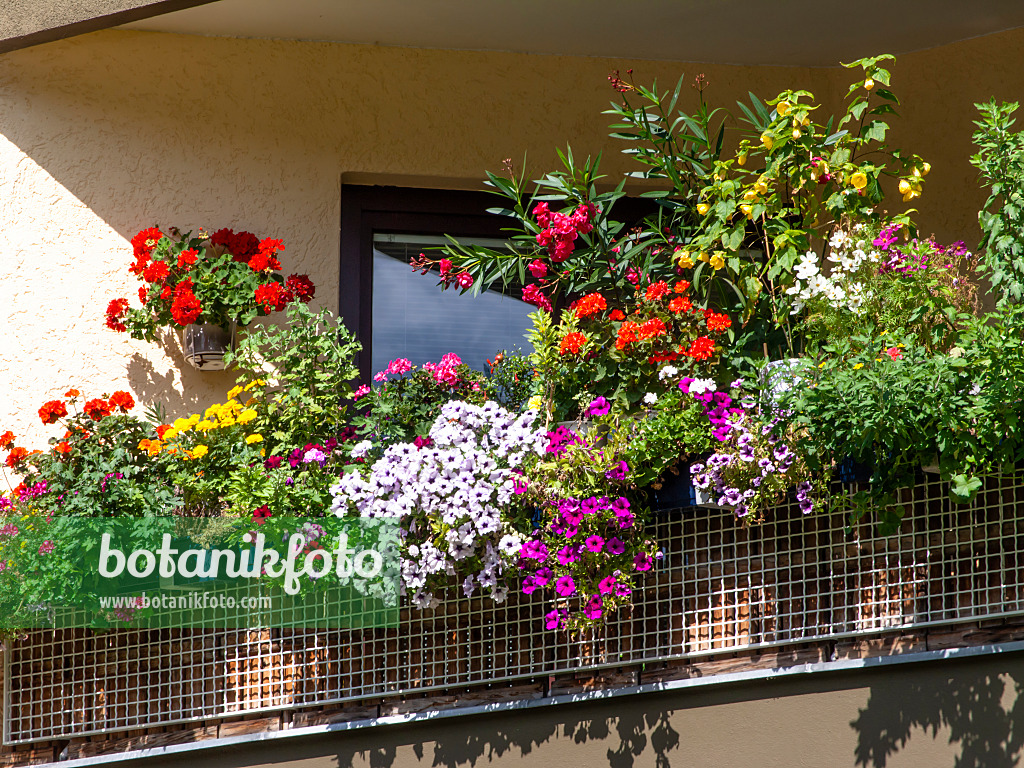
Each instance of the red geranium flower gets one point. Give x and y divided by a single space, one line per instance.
717 321
97 409
7 439
617 315
589 305
301 286
700 349
271 297
15 456
122 400
242 246
682 286
680 304
572 343
62 447
142 246
53 410
186 308
155 272
115 311
143 294
656 290
187 258
72 393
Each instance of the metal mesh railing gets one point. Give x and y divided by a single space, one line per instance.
720 588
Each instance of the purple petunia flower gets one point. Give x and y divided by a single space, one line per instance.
594 543
642 562
615 546
618 472
552 620
565 586
599 406
606 585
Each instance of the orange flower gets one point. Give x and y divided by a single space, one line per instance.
680 304
122 400
62 447
617 315
717 321
589 305
97 409
682 286
7 439
627 334
72 393
651 328
15 456
656 290
161 430
53 410
572 343
701 348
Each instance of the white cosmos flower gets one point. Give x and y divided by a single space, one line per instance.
840 240
805 271
817 284
835 293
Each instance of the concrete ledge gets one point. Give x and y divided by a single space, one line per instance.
24 23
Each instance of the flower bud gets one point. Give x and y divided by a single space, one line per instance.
869 84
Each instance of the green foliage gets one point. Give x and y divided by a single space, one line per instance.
675 429
1000 160
308 364
511 376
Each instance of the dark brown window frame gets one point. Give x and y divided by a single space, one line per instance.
366 210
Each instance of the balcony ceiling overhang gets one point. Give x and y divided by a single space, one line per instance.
798 32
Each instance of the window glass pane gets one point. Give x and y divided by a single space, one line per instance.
415 319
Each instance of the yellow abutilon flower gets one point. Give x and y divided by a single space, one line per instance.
683 259
703 208
766 139
859 179
782 108
716 261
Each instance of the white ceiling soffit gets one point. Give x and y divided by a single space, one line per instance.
793 32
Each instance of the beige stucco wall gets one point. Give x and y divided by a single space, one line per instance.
113 131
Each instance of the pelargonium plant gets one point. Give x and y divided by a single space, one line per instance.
453 496
218 279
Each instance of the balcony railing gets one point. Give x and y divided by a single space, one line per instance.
720 588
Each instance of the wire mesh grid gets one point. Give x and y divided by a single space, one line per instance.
719 588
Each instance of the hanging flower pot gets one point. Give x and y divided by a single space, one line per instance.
205 345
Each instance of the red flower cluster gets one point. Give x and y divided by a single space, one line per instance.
561 230
680 304
122 400
682 286
572 343
142 246
62 447
186 308
7 439
53 410
589 305
264 260
630 332
701 348
187 258
533 295
617 315
242 246
271 297
97 409
155 272
15 456
115 312
302 287
260 514
716 321
656 290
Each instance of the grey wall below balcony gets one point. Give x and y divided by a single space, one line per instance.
30 22
963 713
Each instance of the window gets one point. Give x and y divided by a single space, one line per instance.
398 312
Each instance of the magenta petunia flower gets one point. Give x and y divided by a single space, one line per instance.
565 586
594 543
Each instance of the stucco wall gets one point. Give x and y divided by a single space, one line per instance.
113 131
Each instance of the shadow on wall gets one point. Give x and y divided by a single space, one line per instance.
633 738
984 718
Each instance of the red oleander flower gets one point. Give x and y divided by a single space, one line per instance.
534 295
572 343
717 321
301 286
115 312
701 348
7 439
97 409
187 258
122 400
589 305
16 456
155 272
680 304
682 286
271 297
656 290
53 410
617 315
186 308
